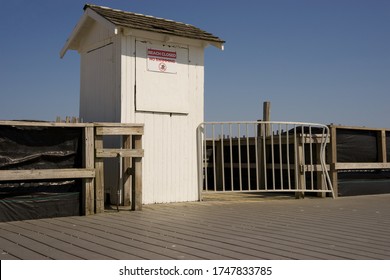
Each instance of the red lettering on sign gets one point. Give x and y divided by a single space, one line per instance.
161 53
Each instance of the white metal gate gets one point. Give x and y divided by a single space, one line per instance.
263 157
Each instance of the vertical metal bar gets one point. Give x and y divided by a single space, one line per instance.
248 157
200 161
311 139
231 157
303 158
256 127
272 156
296 159
214 161
324 183
263 128
206 160
329 181
223 158
280 156
239 154
288 156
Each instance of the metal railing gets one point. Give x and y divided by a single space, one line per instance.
263 157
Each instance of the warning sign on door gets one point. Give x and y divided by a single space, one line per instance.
162 61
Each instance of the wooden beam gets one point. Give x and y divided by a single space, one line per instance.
99 179
112 153
359 128
88 184
126 175
361 165
267 117
382 150
44 124
42 174
134 130
137 185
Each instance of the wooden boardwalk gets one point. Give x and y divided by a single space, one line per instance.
311 228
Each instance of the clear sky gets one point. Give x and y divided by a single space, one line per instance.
325 61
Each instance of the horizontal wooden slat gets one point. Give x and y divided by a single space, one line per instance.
134 130
359 128
41 174
307 167
364 165
114 124
44 124
109 153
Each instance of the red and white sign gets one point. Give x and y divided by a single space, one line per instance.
162 61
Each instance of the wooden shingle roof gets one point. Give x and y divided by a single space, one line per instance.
117 19
153 24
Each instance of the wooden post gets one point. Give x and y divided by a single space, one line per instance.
260 156
88 192
99 180
137 178
320 176
218 164
301 186
382 151
263 131
267 117
127 164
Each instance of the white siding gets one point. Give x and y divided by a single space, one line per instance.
107 93
100 91
170 163
99 95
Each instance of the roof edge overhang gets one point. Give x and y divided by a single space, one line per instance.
169 38
72 43
218 45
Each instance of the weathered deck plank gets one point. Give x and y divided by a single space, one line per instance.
88 242
287 234
151 240
30 242
141 241
201 247
344 228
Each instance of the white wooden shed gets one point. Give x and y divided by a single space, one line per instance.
142 69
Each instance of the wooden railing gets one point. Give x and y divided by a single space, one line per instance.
380 152
131 148
92 170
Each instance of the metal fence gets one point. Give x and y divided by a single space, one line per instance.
263 157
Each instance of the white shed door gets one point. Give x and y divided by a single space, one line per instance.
162 82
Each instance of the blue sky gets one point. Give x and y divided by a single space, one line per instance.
316 61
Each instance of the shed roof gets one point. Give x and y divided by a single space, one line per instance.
118 18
